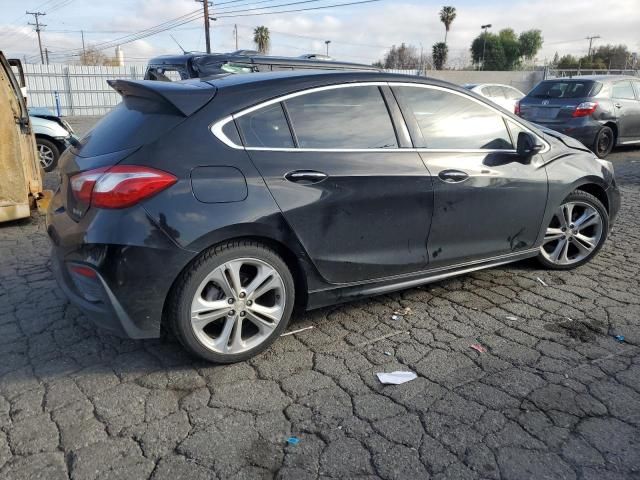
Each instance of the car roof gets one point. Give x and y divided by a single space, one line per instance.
599 78
203 58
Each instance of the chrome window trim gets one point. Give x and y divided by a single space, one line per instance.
216 127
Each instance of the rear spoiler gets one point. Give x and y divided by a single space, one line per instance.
186 98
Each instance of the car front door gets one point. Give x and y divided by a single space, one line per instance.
359 202
627 108
488 203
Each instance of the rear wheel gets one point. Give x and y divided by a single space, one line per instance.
233 302
604 142
48 153
576 233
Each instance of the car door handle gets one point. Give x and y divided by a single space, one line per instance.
618 105
453 176
305 176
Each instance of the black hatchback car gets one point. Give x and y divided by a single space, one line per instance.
601 111
214 208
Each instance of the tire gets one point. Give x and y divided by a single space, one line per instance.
604 142
48 153
204 308
589 219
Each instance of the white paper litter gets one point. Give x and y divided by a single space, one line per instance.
510 317
296 331
542 282
396 378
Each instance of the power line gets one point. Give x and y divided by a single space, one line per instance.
299 9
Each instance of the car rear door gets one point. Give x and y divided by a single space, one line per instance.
487 202
627 107
359 202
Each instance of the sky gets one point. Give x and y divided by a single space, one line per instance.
359 33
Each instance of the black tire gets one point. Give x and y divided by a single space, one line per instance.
55 152
604 142
581 196
179 303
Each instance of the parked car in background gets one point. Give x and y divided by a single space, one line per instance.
504 95
53 135
601 111
201 65
241 197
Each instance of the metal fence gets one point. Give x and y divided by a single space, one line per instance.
76 89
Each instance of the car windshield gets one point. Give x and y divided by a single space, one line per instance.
563 89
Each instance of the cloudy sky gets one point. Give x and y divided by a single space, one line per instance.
358 33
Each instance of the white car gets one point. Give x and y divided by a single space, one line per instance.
503 95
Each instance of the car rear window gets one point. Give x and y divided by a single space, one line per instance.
134 122
565 89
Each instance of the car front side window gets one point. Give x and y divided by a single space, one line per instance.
623 91
450 121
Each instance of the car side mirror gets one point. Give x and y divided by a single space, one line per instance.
528 146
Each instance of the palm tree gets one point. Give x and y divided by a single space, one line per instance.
261 39
447 16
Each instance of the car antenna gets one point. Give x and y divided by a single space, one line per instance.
180 46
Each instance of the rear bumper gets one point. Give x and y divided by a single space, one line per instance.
129 264
583 130
96 300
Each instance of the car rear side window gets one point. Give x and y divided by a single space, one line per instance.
493 91
348 117
266 128
452 122
512 93
622 90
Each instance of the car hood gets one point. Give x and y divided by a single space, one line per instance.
568 141
50 128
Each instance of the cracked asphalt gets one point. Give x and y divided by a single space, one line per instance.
554 396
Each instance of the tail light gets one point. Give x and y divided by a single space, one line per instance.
120 186
516 108
585 109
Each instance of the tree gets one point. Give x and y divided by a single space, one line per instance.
447 16
262 39
510 47
400 58
493 52
530 43
556 60
505 50
93 56
439 52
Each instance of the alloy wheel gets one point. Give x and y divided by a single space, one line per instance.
238 306
46 156
573 234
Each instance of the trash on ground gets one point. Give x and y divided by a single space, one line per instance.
396 378
542 282
293 440
479 348
511 317
403 312
296 331
395 317
388 354
619 338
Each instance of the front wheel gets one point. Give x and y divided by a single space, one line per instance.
604 142
576 233
232 302
48 152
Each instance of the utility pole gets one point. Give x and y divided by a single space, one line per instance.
205 6
84 52
235 34
327 42
591 39
484 45
46 54
38 25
